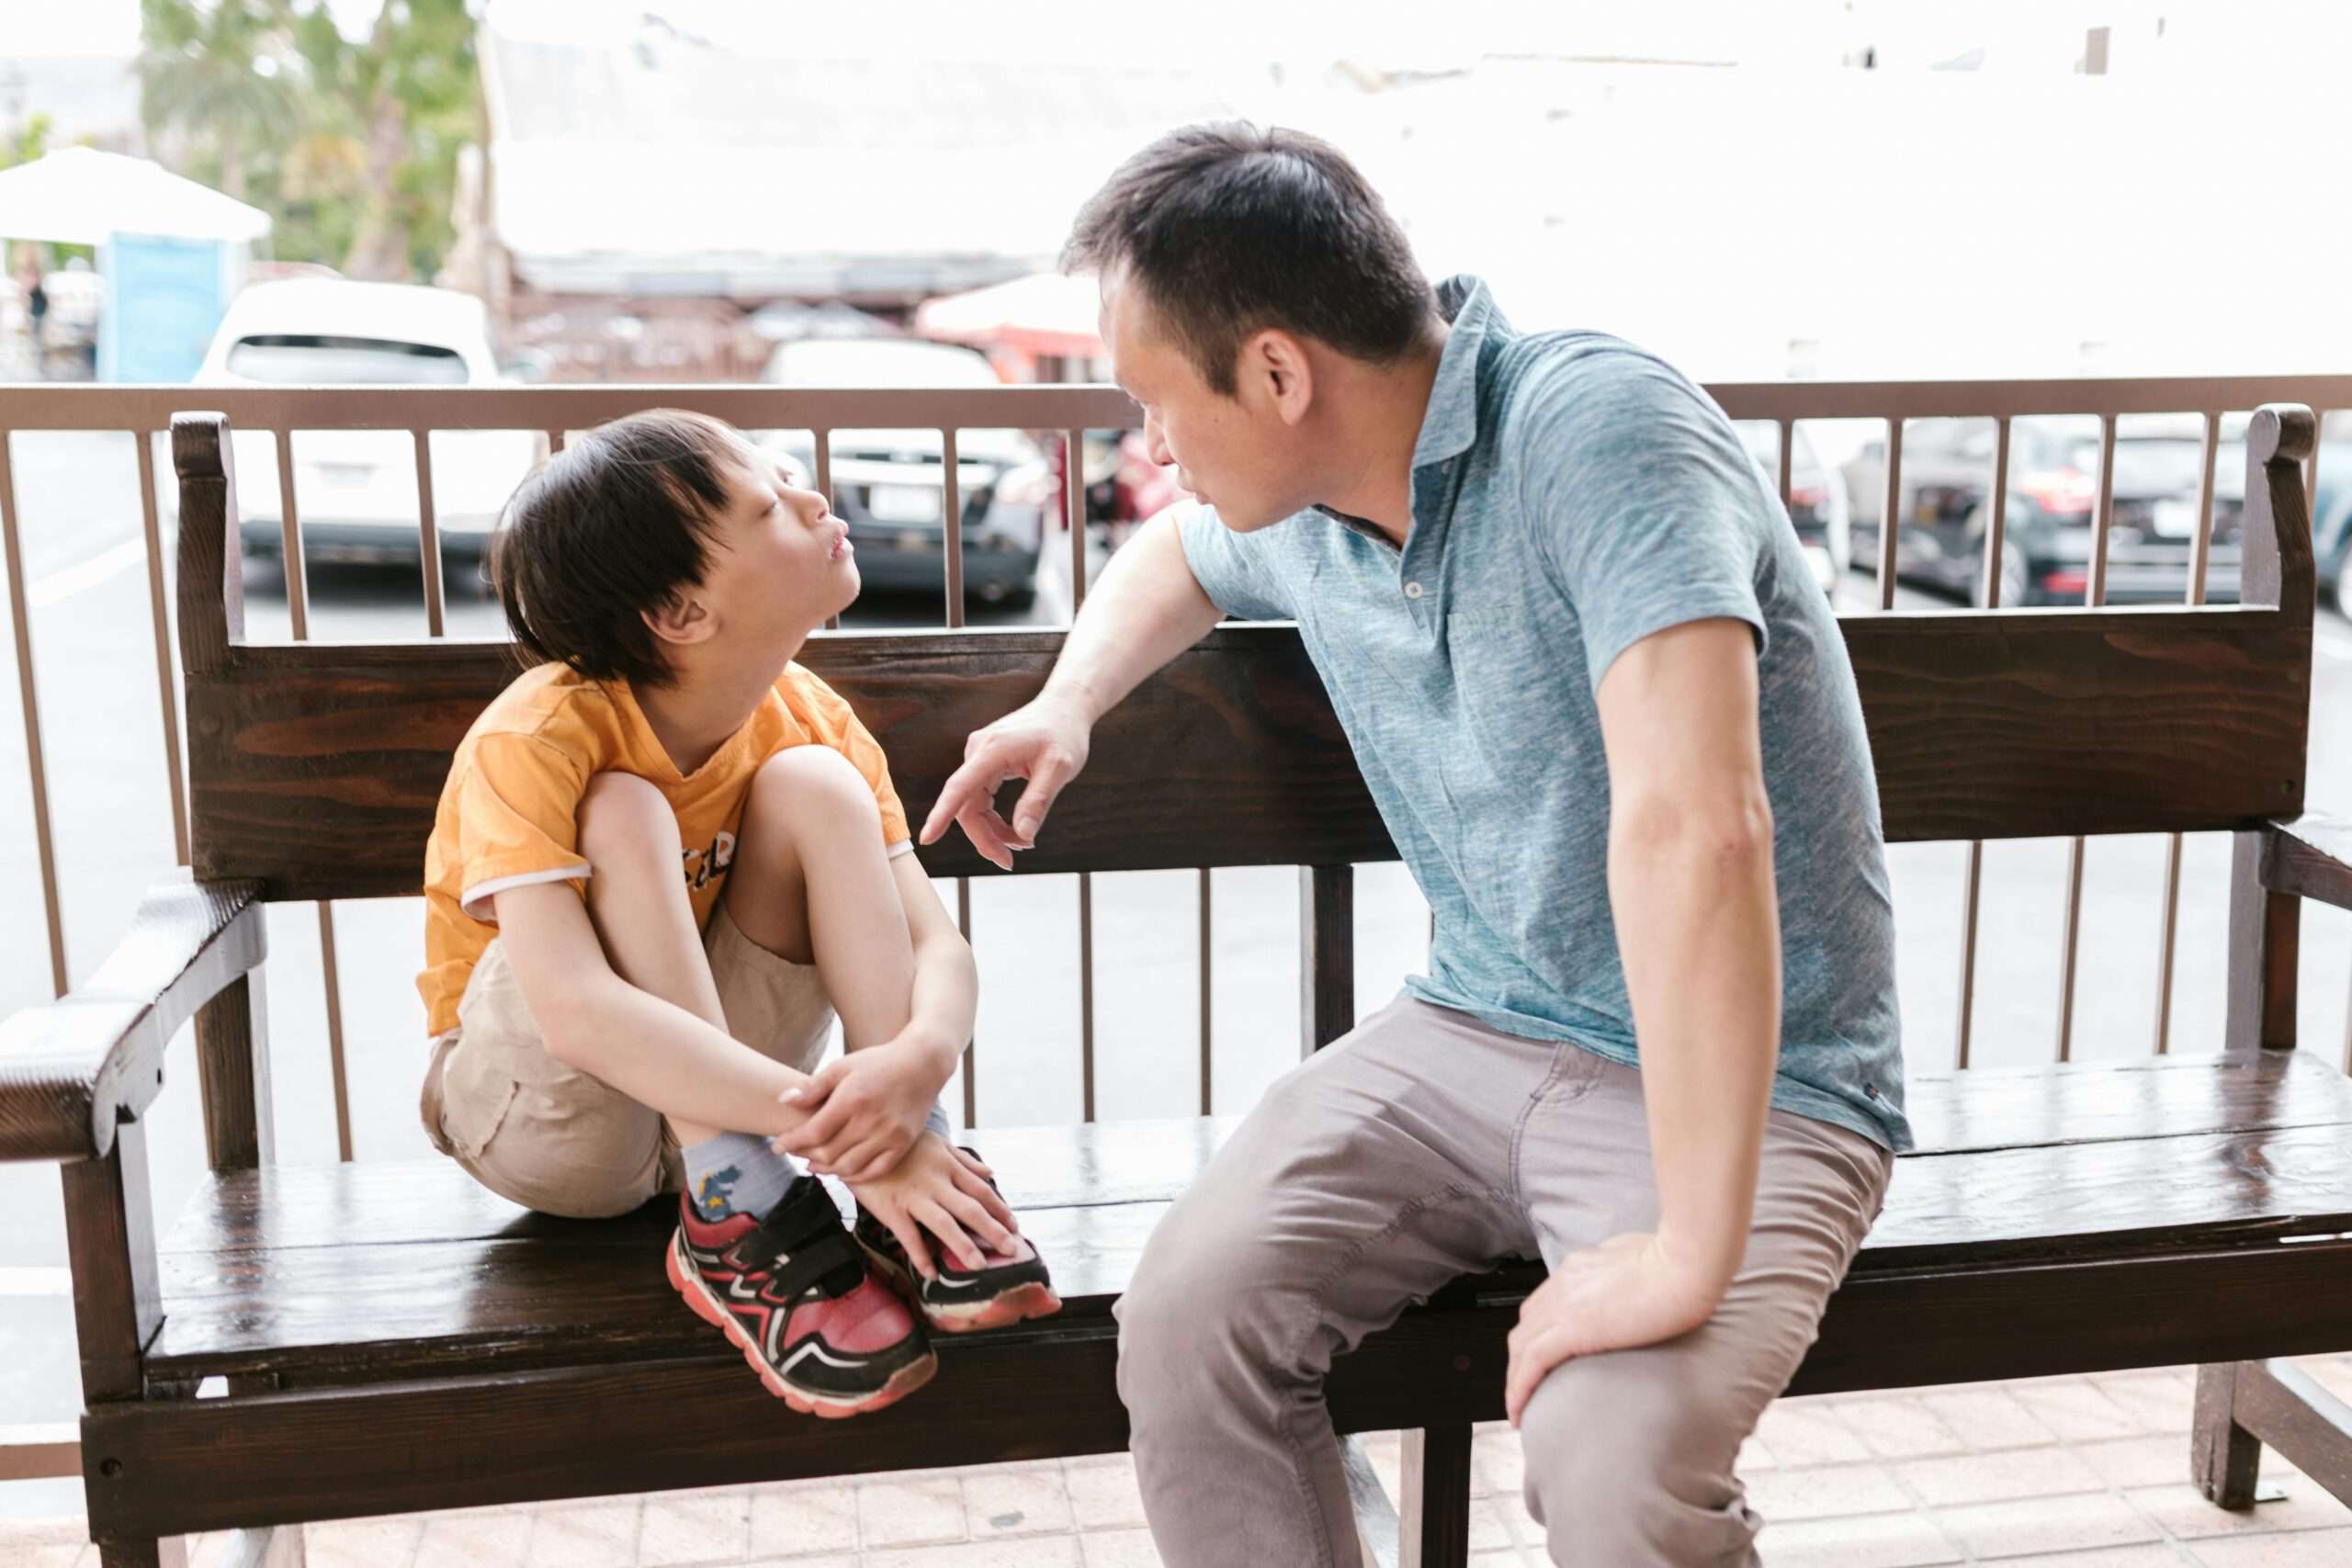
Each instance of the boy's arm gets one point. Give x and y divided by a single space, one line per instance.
867 1108
657 1053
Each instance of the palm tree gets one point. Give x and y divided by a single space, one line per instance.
214 72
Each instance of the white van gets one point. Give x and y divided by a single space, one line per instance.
354 490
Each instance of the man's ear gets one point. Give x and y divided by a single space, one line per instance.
682 619
1276 374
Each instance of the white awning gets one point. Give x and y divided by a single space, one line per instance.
79 195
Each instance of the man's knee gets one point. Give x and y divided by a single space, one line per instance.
622 814
1206 1305
1630 1459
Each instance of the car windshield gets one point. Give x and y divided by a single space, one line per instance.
878 362
2143 468
316 359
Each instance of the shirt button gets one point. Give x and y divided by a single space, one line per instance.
1412 591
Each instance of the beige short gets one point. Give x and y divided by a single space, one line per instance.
541 1134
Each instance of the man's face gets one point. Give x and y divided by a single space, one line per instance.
1236 453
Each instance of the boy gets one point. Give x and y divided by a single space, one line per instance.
665 859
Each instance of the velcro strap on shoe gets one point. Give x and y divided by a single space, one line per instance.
829 1260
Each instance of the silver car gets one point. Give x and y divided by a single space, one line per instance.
888 484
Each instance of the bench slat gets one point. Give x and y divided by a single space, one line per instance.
316 768
343 1276
294 1206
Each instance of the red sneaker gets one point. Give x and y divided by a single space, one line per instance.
1008 1288
793 1292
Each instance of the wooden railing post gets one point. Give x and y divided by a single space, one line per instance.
1326 954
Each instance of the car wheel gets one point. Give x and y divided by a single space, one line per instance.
2013 579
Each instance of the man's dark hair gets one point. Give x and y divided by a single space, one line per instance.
618 523
1230 230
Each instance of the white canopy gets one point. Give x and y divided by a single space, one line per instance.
79 195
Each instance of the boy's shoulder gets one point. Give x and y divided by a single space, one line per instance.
553 704
805 695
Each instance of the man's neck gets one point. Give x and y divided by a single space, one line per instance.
1381 411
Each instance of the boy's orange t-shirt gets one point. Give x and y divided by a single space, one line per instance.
510 813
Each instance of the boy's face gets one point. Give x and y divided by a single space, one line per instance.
780 563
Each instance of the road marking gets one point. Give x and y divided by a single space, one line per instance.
59 586
2333 643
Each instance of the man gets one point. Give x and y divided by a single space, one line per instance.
1608 720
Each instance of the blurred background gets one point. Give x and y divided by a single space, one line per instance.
249 193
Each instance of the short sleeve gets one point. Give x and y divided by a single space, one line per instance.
518 819
841 729
1239 572
1646 501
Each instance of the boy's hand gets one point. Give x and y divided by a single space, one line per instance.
938 1190
865 1108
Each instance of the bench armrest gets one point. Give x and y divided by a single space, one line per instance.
2311 858
71 1068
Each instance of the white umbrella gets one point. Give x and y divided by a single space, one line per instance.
80 195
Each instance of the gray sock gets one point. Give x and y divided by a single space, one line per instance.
737 1173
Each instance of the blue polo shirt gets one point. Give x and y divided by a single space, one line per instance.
1572 495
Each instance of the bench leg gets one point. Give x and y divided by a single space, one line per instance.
171 1552
2224 1457
2244 1405
1433 1524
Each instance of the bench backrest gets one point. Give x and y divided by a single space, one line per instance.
315 767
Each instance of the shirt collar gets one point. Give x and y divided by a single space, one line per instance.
1450 426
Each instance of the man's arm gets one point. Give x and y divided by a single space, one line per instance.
1691 892
1145 610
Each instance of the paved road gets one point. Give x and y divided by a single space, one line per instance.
95 658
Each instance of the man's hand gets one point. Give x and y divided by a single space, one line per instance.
1623 1294
866 1109
939 1191
1045 742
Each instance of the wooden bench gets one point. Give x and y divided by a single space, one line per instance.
388 1338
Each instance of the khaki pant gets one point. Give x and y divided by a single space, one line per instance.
541 1134
1422 1145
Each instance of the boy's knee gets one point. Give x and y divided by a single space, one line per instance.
619 811
814 781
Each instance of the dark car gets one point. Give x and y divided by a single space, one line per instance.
2332 511
1948 468
2053 497
1818 506
888 485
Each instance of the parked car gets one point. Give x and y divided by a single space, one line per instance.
2054 494
888 484
1818 507
2332 509
354 490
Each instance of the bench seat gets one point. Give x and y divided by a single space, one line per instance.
375 1271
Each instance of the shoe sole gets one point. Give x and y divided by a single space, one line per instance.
1019 1304
808 1401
